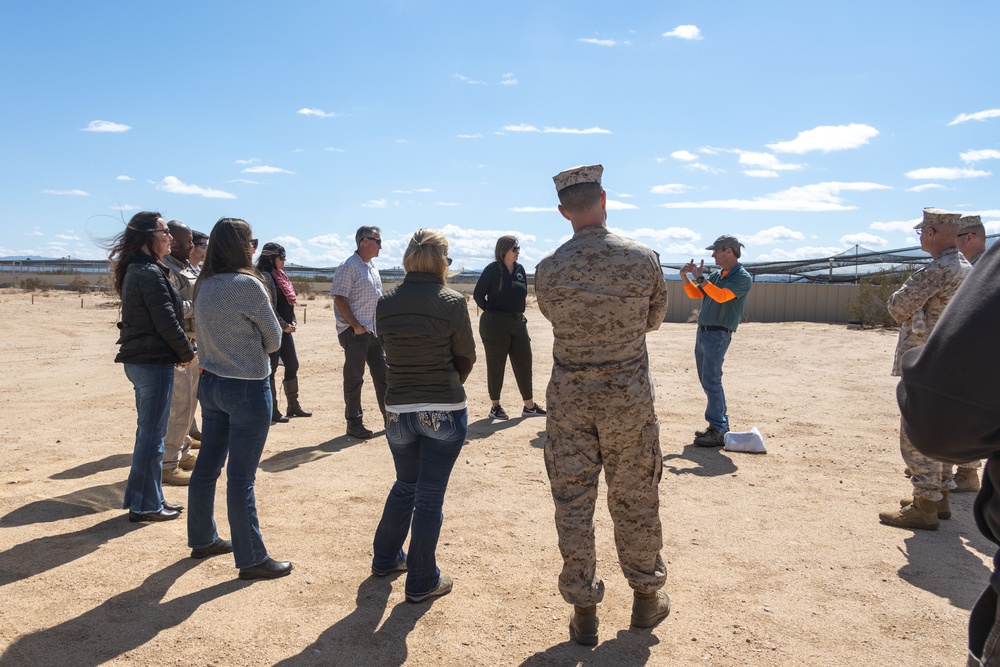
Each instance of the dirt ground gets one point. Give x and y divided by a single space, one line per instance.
774 559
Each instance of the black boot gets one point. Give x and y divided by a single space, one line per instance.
276 416
292 393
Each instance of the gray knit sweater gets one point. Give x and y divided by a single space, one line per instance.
237 328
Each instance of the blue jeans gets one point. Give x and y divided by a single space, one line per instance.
153 385
235 418
425 446
709 353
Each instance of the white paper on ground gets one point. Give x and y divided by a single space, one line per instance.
745 441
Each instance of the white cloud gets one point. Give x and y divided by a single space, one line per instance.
623 195
123 177
470 136
863 239
760 173
816 197
805 252
508 79
669 189
614 205
774 235
684 32
976 155
523 127
71 193
446 203
766 161
265 169
376 203
979 115
331 149
174 185
686 156
926 186
105 126
465 79
245 181
666 234
703 167
534 209
68 236
946 173
35 232
411 192
126 208
599 42
317 113
904 226
252 160
827 138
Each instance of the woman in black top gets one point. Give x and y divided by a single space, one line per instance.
271 265
501 293
152 342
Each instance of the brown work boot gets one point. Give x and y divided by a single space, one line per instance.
176 477
920 514
648 609
966 480
583 624
943 506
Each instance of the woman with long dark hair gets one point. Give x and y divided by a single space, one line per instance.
271 265
425 330
152 342
501 294
237 331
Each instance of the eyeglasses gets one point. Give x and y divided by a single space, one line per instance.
372 238
201 245
165 232
967 234
253 242
922 230
516 248
449 260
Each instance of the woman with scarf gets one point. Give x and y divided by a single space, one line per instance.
271 265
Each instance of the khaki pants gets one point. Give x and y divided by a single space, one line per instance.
182 403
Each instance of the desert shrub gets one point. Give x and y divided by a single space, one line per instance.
303 287
33 285
80 285
873 293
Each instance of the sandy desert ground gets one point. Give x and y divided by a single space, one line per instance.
773 560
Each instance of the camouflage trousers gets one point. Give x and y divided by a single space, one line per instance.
929 476
589 427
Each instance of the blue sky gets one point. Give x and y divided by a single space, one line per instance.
803 128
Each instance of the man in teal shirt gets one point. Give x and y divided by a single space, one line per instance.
723 297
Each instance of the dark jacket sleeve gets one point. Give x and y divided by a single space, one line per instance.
463 344
488 280
166 311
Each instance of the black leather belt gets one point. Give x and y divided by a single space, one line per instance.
704 328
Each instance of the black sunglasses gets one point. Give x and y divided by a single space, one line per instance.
372 238
253 242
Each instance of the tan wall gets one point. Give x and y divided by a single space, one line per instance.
776 302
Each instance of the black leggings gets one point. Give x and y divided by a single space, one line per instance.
287 355
503 335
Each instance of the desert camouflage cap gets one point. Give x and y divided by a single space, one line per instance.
937 216
969 221
577 175
726 241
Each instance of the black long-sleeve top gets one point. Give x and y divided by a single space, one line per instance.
501 290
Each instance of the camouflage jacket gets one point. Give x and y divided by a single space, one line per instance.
602 293
929 288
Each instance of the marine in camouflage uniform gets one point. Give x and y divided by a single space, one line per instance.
917 306
602 293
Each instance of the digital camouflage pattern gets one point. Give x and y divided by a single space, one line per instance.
929 288
576 175
602 293
937 216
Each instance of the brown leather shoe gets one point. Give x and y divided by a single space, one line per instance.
583 624
176 477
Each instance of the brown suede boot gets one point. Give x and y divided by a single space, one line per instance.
943 505
648 609
920 514
966 480
583 624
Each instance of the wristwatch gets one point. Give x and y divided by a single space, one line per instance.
701 280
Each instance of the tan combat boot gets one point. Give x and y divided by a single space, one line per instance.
583 624
966 480
943 506
920 514
648 609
